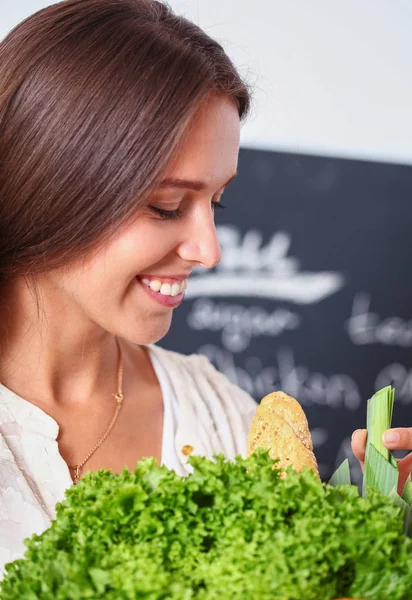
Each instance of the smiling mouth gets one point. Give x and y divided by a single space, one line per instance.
165 288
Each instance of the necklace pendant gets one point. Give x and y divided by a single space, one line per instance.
119 397
76 475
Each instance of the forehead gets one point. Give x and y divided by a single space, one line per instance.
209 150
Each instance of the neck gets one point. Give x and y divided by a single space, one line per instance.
51 353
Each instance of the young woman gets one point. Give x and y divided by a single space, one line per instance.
119 130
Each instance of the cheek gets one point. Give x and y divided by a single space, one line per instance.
105 275
127 255
140 248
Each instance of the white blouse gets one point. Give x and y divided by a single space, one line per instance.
202 409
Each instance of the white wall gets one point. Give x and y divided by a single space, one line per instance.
331 77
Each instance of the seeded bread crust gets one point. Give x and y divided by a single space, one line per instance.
280 426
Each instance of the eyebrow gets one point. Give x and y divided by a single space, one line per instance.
189 184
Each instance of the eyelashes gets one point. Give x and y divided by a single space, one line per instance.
170 215
167 215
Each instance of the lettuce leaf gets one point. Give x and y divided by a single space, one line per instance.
230 530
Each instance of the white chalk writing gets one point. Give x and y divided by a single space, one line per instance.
366 327
251 269
400 377
240 324
312 389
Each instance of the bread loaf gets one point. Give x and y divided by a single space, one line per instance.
280 426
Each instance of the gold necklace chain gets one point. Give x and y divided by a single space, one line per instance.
119 402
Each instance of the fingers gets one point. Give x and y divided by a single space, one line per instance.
398 439
394 439
405 468
359 444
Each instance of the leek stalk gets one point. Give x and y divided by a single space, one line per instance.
381 468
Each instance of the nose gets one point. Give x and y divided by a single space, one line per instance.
200 245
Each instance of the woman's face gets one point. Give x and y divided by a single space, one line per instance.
118 287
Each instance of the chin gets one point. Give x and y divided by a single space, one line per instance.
146 335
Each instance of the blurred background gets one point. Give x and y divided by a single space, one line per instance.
314 292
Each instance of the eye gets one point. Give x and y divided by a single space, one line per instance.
217 205
167 215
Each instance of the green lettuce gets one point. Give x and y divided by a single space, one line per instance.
230 530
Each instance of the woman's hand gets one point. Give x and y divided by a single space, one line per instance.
393 439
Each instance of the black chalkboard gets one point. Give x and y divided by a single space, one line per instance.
314 292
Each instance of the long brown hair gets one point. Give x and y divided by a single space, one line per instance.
95 96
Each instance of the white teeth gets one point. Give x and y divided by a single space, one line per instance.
175 289
155 285
166 289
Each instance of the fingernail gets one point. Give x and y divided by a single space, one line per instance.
391 437
356 432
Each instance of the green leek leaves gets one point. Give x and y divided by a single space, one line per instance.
381 468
